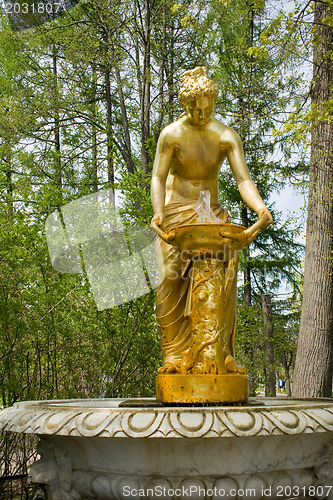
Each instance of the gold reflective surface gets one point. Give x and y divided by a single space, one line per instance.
197 294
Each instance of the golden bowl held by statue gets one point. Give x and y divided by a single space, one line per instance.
208 239
211 239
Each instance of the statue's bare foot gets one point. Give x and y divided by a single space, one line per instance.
232 366
168 368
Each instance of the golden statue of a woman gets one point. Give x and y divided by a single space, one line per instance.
189 156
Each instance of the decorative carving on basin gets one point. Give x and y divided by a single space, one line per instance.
111 449
107 418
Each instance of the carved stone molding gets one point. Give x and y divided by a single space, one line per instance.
61 482
109 486
107 418
267 446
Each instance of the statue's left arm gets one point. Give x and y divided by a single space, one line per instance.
163 158
246 186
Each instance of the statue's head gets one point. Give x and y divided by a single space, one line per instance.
195 83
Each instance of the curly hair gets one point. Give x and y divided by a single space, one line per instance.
195 83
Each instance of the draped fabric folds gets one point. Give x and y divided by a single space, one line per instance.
174 325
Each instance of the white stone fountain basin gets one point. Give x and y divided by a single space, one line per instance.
99 449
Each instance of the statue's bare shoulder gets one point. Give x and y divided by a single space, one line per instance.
228 136
171 133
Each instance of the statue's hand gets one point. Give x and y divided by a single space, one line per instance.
156 224
270 217
158 219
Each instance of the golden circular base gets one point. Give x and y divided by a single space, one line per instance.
205 388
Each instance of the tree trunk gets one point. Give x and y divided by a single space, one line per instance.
313 367
170 74
286 368
145 98
57 140
161 106
109 129
9 189
94 162
270 387
247 294
125 142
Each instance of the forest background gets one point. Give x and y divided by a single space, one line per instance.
83 100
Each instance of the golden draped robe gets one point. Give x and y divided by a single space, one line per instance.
173 319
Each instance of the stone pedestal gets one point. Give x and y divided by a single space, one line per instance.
117 449
202 388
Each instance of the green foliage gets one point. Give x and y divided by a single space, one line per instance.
65 132
53 85
73 98
253 95
136 206
249 343
292 37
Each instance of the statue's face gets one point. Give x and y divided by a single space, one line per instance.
199 111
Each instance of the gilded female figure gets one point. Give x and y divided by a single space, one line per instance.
189 156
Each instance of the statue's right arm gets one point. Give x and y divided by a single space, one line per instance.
246 186
164 153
